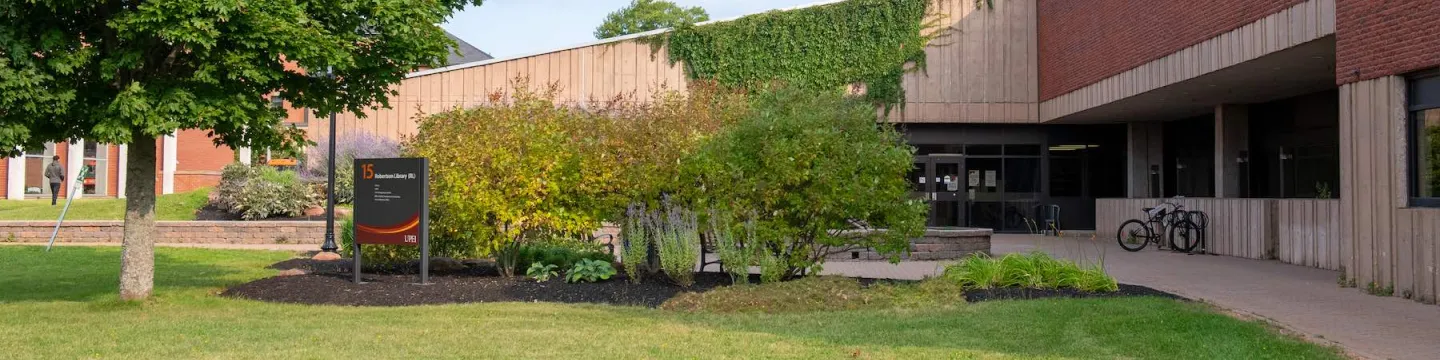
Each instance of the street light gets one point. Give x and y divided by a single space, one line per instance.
329 245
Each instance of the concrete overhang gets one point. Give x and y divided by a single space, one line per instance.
1302 69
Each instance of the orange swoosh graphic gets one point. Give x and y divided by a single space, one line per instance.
414 222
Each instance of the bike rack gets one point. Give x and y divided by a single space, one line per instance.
1050 215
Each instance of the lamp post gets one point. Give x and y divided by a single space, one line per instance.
329 245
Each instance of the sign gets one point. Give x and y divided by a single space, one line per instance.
390 201
392 206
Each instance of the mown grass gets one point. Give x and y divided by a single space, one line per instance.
61 305
179 206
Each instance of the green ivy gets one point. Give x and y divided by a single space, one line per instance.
825 48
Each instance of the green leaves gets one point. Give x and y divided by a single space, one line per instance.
119 71
821 48
803 167
645 15
588 271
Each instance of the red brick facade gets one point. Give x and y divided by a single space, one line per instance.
1083 42
1381 38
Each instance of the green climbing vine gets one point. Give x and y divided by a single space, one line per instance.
825 48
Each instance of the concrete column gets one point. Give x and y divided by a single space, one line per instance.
120 180
168 163
1232 137
74 160
1143 153
244 155
15 178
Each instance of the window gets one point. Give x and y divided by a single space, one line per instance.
1424 107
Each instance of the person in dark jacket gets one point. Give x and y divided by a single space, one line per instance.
56 174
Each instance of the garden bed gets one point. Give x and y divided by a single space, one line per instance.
330 283
401 290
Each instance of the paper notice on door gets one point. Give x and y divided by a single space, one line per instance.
990 178
974 178
922 179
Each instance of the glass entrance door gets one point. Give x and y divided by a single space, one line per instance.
947 205
984 192
937 179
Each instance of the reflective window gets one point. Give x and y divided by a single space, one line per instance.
1424 109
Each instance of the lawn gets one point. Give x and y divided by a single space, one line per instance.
60 305
180 206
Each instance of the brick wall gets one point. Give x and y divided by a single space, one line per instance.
186 232
1083 42
1381 38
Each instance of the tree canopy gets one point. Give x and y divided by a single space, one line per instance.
645 15
128 71
117 71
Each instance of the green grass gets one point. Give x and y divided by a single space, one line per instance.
60 305
180 206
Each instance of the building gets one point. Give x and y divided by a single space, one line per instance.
187 160
1303 127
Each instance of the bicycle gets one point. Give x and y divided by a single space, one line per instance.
1135 234
1188 233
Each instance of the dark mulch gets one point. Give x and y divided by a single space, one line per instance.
1019 293
397 290
330 282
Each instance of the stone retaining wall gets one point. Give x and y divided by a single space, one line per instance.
186 232
937 244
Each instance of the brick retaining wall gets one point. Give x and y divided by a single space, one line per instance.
937 244
185 232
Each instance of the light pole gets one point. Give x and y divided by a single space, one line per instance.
329 245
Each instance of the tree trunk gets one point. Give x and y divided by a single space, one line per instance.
137 251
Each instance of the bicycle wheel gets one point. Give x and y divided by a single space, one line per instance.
1184 236
1133 235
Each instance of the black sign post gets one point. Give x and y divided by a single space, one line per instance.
392 206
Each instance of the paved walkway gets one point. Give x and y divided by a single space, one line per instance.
1302 299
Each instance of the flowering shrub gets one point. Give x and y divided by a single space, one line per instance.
359 145
259 192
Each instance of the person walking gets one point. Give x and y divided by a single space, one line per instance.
56 174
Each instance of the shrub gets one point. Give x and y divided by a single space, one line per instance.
503 173
1033 270
541 272
259 192
804 167
351 146
562 257
589 271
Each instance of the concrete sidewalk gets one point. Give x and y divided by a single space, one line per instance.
1301 299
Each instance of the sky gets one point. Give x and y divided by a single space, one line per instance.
506 28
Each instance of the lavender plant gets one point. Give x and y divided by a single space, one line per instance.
348 147
635 232
678 241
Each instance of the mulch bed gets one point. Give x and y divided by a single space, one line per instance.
477 281
397 290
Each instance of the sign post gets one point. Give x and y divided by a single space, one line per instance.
392 207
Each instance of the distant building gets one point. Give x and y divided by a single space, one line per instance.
186 161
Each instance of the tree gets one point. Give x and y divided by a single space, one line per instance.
645 15
128 71
809 173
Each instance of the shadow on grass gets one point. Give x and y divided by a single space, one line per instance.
85 273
